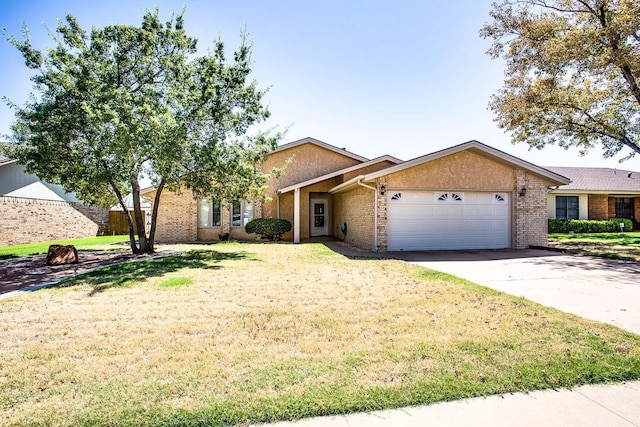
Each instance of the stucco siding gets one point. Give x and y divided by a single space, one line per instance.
302 163
369 169
463 170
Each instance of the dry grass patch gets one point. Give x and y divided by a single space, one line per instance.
263 332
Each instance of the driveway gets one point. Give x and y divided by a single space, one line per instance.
595 288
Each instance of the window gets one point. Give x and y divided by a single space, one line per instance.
624 207
241 213
449 197
567 207
208 214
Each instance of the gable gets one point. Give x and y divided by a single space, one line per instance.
463 170
306 161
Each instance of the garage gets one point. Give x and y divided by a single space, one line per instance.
448 220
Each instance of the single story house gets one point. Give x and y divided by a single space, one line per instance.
469 196
595 193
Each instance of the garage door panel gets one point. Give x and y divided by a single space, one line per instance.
427 220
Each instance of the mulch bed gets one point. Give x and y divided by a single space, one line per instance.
25 272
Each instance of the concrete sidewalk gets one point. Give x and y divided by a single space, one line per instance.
592 405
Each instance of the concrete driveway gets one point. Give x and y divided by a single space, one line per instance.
595 288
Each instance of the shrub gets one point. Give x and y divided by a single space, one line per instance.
611 225
268 228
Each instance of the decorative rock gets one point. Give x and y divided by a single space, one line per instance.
62 254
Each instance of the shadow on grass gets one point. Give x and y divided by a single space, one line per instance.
129 273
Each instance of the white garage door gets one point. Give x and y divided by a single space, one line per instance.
446 220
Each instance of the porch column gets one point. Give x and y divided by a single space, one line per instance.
296 215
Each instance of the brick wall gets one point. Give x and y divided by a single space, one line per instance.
611 208
177 219
598 206
530 211
356 209
25 220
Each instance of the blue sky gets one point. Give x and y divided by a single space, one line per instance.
404 78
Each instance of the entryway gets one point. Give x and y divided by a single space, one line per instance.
319 217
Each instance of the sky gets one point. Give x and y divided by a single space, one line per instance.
404 78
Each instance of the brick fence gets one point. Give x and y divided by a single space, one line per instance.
25 220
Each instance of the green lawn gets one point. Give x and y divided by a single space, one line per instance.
87 243
229 333
624 246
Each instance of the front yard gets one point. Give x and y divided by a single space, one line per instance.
625 246
230 333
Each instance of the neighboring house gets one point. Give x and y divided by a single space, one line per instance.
596 193
32 210
470 196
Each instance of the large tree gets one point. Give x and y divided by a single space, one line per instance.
119 103
572 73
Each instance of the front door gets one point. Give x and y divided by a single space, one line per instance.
319 218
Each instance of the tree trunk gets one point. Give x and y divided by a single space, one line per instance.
132 236
154 213
145 247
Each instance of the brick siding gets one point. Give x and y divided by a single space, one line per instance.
355 208
177 219
598 206
33 220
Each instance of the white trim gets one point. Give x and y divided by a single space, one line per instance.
339 172
478 146
296 216
319 143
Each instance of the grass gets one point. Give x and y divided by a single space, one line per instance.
625 246
87 243
264 332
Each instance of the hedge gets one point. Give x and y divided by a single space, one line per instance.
268 228
589 225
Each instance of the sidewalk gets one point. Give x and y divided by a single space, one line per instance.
616 405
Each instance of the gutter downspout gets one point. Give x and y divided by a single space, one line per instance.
375 213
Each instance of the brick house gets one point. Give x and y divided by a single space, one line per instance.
469 196
595 193
33 210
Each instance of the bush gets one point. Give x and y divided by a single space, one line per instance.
611 225
268 228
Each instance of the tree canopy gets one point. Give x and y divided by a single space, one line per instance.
572 73
114 104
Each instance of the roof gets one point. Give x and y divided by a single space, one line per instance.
473 146
599 179
330 147
340 172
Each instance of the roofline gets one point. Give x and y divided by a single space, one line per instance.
309 140
554 177
339 172
619 193
8 162
352 183
147 190
473 144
